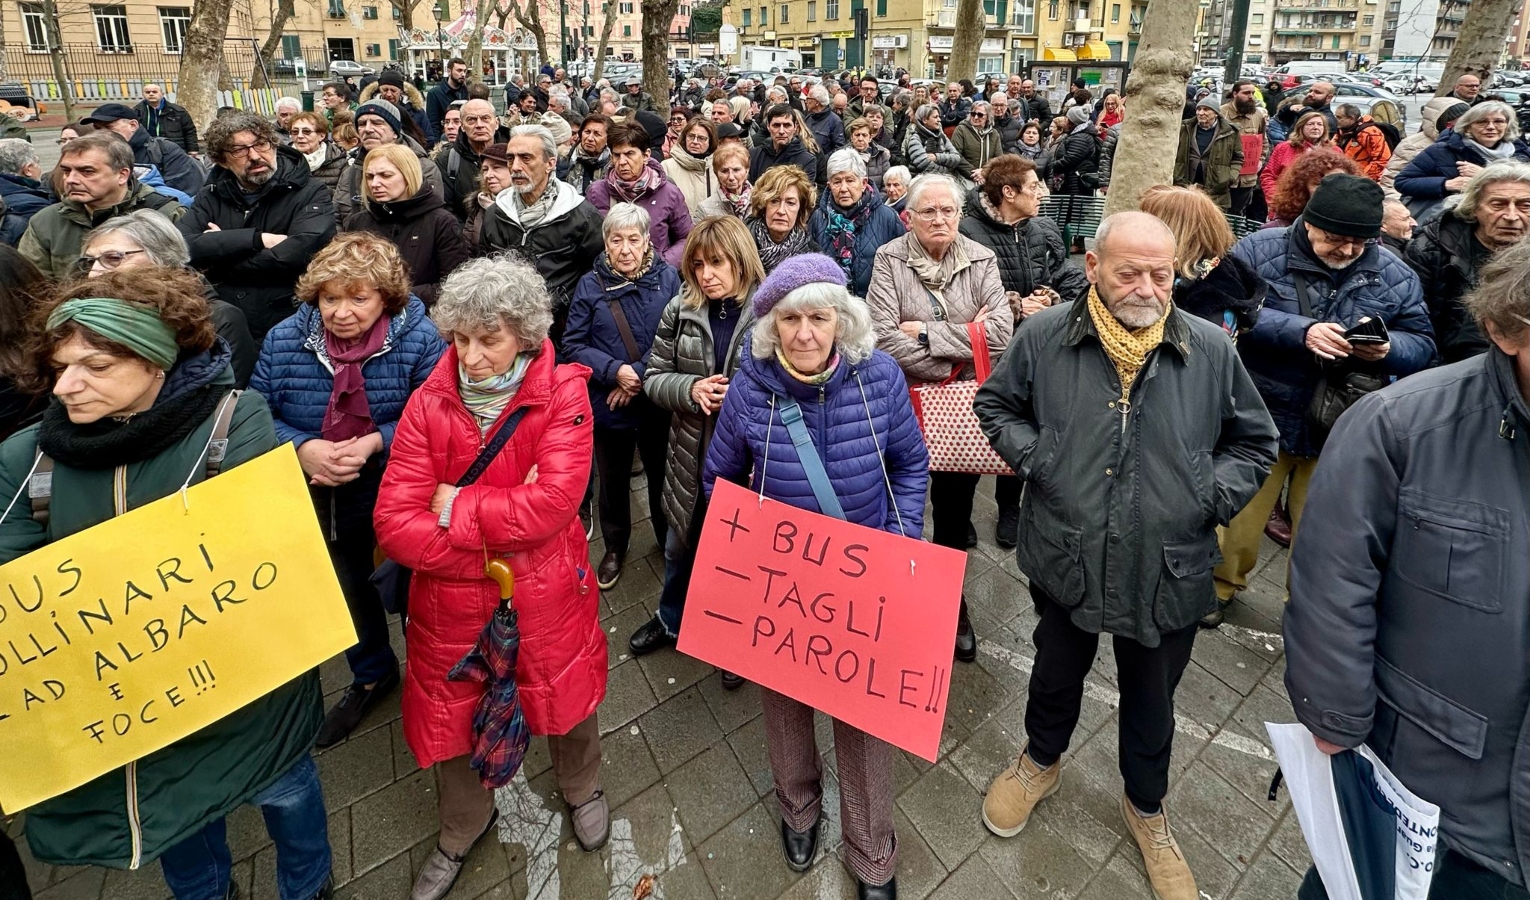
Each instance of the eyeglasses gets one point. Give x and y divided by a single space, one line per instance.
1340 240
299 132
109 260
935 214
243 151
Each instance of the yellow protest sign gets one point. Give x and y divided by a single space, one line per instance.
122 639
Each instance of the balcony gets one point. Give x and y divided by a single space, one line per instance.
1314 26
1080 26
1318 4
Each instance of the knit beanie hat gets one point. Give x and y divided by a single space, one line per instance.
391 77
562 132
1078 115
1450 115
383 110
1209 104
1347 205
795 272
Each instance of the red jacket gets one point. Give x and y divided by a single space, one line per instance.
561 671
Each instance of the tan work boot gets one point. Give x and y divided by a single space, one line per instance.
1167 870
1016 792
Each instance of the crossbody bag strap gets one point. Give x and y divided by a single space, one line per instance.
1303 299
40 488
217 449
812 463
626 330
496 444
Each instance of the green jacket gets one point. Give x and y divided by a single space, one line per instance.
202 777
1223 160
56 235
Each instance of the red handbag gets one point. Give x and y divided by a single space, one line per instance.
944 410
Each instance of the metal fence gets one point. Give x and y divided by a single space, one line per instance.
101 77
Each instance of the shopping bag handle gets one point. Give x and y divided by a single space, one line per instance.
978 335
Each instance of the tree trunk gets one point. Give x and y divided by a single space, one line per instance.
1155 102
657 14
4 74
405 12
1479 48
473 55
61 72
971 22
283 11
202 60
605 41
533 23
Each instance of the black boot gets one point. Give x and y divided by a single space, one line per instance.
966 641
800 846
1008 528
888 891
649 637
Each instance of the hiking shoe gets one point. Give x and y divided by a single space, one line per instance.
1167 871
354 705
1015 793
592 822
1006 533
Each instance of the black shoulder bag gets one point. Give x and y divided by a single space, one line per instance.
1338 388
392 579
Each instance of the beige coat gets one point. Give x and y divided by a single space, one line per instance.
1412 145
1253 123
694 178
896 295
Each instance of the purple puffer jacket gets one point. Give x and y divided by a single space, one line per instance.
839 416
669 221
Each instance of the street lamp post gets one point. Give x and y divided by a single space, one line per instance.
440 38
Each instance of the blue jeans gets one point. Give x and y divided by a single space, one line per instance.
198 867
679 559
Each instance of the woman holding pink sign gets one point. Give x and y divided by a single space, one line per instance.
823 421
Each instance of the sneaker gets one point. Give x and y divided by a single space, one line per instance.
592 822
609 571
354 705
1167 871
441 868
1015 793
1006 533
587 519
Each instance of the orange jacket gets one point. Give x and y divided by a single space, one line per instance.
1368 147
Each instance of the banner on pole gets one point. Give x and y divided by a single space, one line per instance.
122 639
853 621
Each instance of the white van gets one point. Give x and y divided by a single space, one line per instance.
1310 67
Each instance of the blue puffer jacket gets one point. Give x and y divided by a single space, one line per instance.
592 338
295 376
1286 373
1424 178
21 197
836 415
874 226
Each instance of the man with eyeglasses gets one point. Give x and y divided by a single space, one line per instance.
1325 273
1468 89
334 97
96 171
453 87
1449 252
22 194
176 168
260 220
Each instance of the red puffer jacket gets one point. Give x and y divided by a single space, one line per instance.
562 666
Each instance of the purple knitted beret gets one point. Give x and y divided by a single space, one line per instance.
795 272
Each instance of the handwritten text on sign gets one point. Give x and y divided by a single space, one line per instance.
124 638
852 621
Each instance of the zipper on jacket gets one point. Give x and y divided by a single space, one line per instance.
135 827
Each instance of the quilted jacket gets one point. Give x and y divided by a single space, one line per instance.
1424 178
1286 373
860 420
682 355
295 376
1031 253
592 338
1441 252
561 670
880 225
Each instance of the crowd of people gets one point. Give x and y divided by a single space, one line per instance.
472 326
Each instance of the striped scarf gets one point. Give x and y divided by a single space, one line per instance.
488 397
815 380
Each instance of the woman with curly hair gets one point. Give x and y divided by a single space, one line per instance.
783 200
1297 183
1310 132
140 385
337 374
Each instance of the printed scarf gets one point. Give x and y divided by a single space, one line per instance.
1128 350
488 397
773 254
842 229
739 202
633 191
815 380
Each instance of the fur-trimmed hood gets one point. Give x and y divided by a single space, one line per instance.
412 96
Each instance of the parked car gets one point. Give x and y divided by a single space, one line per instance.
349 68
1380 104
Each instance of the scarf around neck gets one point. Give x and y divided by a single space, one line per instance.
1504 150
632 191
348 414
317 157
773 254
739 202
486 398
843 226
1127 350
531 216
935 276
815 380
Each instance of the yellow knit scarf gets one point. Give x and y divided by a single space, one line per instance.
1128 350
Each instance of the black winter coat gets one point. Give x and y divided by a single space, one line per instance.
427 236
1009 132
1447 259
1076 163
1031 252
1229 296
258 280
793 154
173 123
462 183
1121 509
563 247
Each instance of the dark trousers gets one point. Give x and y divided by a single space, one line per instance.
13 875
1147 679
951 496
1240 200
1006 490
372 656
613 466
1455 878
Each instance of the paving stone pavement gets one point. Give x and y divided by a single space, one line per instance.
686 774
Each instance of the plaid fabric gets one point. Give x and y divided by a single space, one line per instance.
500 734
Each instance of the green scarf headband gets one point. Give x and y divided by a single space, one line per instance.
136 327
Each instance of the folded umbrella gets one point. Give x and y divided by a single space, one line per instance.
500 734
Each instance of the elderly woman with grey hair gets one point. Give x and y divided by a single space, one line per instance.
1487 132
498 405
813 362
144 237
929 151
925 288
852 221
